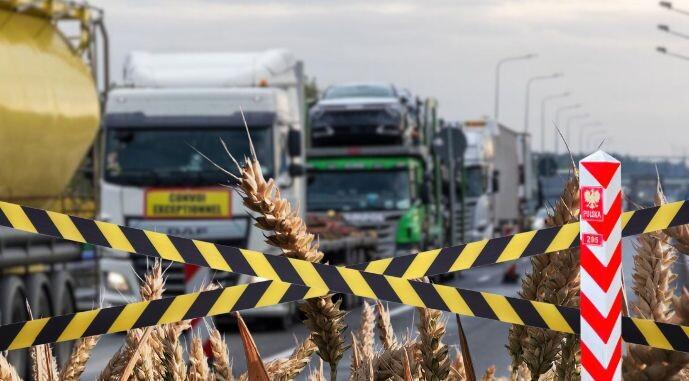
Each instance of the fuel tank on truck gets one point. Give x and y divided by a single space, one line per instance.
49 110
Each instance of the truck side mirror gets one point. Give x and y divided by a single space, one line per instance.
294 143
496 181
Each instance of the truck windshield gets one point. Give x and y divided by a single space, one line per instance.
359 190
159 156
359 91
475 183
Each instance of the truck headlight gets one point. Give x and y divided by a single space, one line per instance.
117 282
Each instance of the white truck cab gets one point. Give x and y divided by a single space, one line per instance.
172 109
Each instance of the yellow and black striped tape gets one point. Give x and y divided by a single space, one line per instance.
426 263
265 293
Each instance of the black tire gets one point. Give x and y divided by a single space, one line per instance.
38 293
62 286
13 309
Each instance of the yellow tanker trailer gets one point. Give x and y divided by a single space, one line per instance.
49 118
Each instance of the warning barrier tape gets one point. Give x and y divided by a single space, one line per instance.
426 263
267 293
319 277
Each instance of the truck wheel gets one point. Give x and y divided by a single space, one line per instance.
38 292
13 309
63 298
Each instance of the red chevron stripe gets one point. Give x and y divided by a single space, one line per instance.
603 275
602 171
595 368
603 325
606 226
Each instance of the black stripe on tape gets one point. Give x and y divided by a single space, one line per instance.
139 241
188 250
283 267
294 292
540 241
41 221
53 329
203 303
527 312
4 221
236 260
572 317
332 278
492 251
631 333
639 220
103 320
8 333
153 312
675 335
89 230
398 265
682 216
429 295
445 259
478 305
251 296
381 287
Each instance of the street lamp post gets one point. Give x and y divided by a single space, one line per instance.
668 5
581 134
496 113
528 95
667 29
663 50
569 122
543 104
556 140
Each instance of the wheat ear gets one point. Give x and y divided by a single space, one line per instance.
435 362
222 366
554 278
77 361
457 371
365 335
653 285
7 371
287 231
317 374
198 364
385 331
175 369
289 368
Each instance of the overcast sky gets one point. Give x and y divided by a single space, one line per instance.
448 49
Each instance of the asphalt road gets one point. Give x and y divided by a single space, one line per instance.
486 338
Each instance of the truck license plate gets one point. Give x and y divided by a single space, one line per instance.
187 203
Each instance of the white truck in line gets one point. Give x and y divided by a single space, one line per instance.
499 184
170 106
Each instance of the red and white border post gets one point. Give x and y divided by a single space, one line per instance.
601 266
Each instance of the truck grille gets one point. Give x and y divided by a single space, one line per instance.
174 272
385 232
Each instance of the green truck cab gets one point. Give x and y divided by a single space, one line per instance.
384 189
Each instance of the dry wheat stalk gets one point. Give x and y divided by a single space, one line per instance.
77 361
7 371
389 364
385 331
222 366
173 354
435 362
151 288
457 371
289 368
198 364
554 278
287 231
365 335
